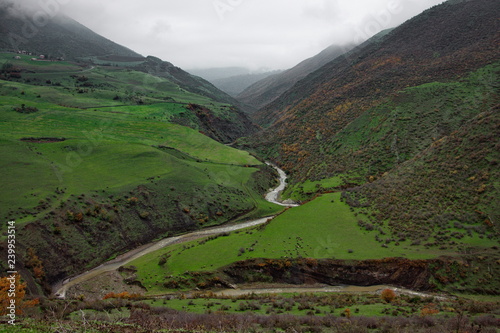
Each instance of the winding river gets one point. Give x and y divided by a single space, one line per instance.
60 288
274 194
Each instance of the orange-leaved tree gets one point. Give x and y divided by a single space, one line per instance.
34 263
388 295
13 291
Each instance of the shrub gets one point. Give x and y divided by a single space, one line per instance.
78 217
346 313
162 261
388 295
26 109
122 295
132 200
429 310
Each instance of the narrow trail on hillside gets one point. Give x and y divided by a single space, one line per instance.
59 290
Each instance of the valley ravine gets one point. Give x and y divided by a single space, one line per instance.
59 290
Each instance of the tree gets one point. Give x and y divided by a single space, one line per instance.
12 293
388 295
7 67
34 263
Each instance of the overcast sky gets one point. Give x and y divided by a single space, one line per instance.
274 34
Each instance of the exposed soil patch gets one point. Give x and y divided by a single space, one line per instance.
103 284
412 274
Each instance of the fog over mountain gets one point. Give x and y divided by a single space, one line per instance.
221 33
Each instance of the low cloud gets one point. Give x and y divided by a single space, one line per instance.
217 33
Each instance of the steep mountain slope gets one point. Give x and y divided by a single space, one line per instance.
405 133
60 37
265 91
443 44
412 119
407 123
446 192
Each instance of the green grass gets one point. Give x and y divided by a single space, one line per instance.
110 314
40 66
94 154
107 62
480 298
106 148
303 190
322 228
104 83
112 139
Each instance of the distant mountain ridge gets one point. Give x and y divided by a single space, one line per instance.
267 90
235 85
193 83
232 80
217 73
270 89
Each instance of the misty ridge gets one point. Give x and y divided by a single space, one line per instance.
153 29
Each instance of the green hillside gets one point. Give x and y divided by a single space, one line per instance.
64 38
97 156
462 200
192 83
396 131
322 228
